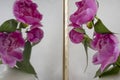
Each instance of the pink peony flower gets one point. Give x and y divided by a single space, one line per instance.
26 11
86 11
107 47
35 35
11 45
76 37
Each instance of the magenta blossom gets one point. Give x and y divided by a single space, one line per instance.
107 47
86 11
26 11
35 35
11 48
76 37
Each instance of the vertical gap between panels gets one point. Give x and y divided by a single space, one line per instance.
65 41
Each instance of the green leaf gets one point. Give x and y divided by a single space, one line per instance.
86 43
100 27
0 62
23 25
90 25
112 71
98 73
118 61
80 30
87 39
9 26
25 65
27 51
108 71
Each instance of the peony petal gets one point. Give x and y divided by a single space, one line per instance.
85 16
11 45
107 62
95 59
107 46
86 11
35 35
17 54
26 11
76 37
8 60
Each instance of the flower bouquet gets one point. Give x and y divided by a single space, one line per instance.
104 41
18 36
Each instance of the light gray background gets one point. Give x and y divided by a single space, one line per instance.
47 55
109 12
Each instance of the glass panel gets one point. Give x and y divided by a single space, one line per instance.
47 55
109 12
